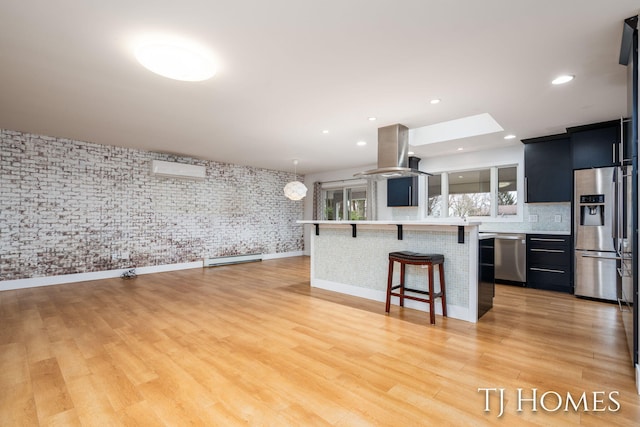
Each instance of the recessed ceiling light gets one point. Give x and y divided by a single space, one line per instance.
435 101
460 176
372 119
361 143
510 136
325 131
411 153
175 59
460 148
562 79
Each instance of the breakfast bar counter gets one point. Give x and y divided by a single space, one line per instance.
352 257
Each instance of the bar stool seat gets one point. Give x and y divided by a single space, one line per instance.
415 258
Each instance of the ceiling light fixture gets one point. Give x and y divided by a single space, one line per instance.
434 101
176 59
372 119
460 148
295 190
325 131
411 153
361 143
565 78
510 136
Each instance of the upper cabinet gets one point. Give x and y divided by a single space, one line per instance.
402 191
596 145
549 161
547 168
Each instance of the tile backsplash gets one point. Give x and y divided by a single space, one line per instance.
537 217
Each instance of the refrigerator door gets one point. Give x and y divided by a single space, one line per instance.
594 225
596 275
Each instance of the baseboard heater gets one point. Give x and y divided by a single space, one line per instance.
231 259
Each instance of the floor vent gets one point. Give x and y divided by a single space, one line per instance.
232 259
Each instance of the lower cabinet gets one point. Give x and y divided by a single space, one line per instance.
549 262
486 276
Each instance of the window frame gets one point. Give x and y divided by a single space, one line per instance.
347 189
493 209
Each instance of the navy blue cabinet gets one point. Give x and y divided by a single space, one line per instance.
596 145
548 169
402 191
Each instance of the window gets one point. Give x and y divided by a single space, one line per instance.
434 199
507 191
470 193
489 192
345 203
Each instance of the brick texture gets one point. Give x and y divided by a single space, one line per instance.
74 207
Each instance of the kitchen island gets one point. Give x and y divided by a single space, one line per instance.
352 257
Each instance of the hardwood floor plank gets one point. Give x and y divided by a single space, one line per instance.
254 344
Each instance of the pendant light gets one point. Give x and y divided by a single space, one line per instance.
295 190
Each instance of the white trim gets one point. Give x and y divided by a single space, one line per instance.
283 255
638 378
453 311
7 285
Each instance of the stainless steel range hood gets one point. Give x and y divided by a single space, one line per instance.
393 155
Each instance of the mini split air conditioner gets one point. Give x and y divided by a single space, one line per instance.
177 170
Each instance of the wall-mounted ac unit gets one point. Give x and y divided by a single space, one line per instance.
177 170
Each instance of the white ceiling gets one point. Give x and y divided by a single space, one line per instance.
291 68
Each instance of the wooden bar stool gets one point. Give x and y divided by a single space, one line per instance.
414 258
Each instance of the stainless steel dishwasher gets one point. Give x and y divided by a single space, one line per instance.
511 258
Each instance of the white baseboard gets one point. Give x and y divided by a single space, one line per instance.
453 311
282 255
34 282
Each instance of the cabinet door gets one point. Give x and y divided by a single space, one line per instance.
548 171
402 191
595 146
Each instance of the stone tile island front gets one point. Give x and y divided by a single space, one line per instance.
351 257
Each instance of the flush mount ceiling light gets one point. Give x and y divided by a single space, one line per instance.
372 119
295 190
434 101
510 136
325 131
176 59
565 78
361 143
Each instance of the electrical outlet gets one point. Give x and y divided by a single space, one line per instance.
124 255
115 256
557 218
533 218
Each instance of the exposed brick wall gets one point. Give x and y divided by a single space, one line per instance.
69 206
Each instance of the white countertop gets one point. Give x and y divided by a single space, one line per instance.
555 232
444 222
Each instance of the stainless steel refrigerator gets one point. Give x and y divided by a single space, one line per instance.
596 233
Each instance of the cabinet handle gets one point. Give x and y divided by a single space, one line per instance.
410 197
555 251
526 189
540 239
613 155
546 270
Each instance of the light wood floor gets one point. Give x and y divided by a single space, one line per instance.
253 344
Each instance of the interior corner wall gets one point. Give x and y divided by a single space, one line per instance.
69 207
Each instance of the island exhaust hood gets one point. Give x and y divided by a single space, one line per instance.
393 155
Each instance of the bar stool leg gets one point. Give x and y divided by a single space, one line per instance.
389 284
442 290
402 273
432 314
